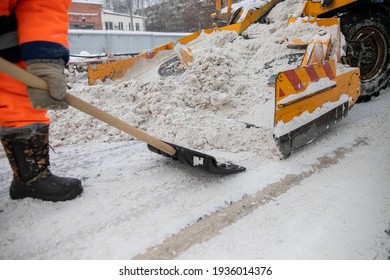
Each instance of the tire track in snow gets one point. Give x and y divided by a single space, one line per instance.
210 225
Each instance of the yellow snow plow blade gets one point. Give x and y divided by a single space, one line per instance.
309 100
150 59
117 69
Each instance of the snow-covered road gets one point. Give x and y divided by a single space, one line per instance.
330 200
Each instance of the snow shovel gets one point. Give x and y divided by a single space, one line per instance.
184 155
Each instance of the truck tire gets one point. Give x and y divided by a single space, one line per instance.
367 36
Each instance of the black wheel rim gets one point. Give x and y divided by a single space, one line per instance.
367 50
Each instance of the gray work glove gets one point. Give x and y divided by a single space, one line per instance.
53 74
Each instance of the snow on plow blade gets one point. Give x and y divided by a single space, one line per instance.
311 99
199 160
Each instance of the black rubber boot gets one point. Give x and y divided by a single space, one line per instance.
28 153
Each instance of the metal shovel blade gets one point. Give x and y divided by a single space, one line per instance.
199 160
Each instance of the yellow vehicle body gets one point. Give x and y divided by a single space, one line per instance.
315 8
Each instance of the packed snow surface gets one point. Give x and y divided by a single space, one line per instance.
329 200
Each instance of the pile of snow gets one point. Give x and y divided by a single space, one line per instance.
205 108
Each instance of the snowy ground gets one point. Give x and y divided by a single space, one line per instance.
329 200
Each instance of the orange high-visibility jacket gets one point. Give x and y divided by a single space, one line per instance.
29 30
42 27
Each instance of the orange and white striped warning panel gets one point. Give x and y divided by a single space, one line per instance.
306 88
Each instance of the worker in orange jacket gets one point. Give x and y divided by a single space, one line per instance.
33 35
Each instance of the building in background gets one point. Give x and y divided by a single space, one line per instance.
91 14
163 16
119 21
84 14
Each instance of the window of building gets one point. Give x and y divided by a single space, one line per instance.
109 25
78 25
120 26
137 26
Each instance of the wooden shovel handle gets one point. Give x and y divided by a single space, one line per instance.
36 82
